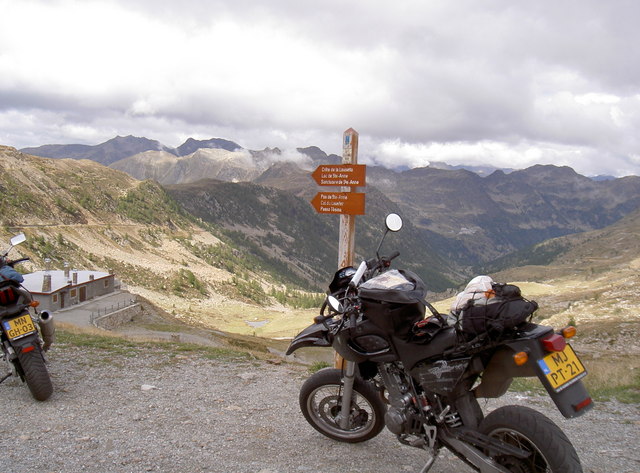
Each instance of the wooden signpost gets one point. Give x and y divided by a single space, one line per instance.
346 244
348 203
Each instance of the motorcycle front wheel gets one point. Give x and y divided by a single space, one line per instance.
34 372
550 449
321 404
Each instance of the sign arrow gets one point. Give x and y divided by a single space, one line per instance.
352 175
350 203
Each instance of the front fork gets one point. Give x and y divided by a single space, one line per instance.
348 380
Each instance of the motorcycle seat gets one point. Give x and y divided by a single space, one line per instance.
411 352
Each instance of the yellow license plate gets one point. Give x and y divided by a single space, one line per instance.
562 368
16 328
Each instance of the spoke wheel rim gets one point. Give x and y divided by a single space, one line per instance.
535 463
324 406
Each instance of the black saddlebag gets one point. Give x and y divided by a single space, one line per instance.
394 301
505 311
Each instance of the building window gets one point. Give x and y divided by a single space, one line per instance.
106 283
73 293
54 298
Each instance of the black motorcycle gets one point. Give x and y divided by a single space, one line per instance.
26 333
423 377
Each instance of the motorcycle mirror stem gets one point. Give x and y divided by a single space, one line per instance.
15 241
393 222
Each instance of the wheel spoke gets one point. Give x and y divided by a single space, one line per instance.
535 463
321 404
325 404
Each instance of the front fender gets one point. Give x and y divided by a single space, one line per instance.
316 335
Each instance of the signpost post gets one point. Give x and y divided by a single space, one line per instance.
347 238
346 203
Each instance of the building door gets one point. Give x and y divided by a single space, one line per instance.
83 293
62 300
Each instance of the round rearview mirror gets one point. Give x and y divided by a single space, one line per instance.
335 304
394 222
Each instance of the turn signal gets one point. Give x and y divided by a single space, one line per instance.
569 332
521 358
34 303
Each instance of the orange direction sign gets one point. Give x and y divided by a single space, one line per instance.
340 174
350 203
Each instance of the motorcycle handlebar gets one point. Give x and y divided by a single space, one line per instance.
394 255
14 262
320 319
359 273
375 264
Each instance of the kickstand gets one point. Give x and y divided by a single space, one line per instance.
429 464
3 379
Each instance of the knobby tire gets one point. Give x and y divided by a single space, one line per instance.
551 450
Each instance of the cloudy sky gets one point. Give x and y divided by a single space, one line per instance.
498 82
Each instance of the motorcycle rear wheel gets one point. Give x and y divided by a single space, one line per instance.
321 401
525 428
35 374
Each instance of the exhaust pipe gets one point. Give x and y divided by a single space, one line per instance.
47 329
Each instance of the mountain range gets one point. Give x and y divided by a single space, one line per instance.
461 221
219 253
122 147
252 257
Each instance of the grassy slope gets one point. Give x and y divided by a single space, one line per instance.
136 230
90 216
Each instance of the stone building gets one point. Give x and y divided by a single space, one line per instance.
57 289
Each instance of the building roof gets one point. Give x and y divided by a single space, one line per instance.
33 281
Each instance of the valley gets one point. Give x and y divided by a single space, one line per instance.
253 260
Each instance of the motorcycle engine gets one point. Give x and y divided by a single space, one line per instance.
401 417
395 419
403 421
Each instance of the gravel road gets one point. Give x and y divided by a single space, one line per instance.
153 411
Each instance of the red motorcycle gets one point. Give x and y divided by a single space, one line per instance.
26 333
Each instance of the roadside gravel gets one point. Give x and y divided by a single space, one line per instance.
153 411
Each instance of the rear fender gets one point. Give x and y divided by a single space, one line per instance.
572 401
499 374
27 343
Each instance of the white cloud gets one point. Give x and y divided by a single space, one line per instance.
588 161
497 81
